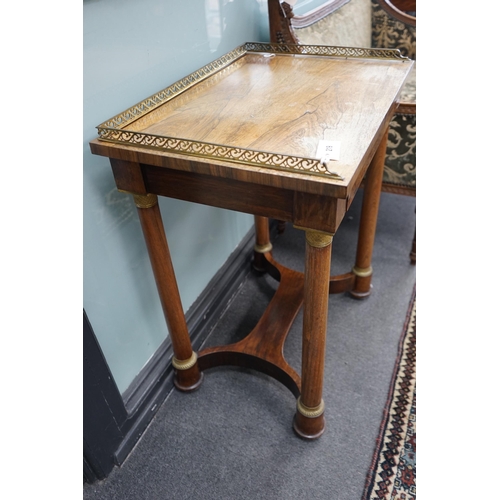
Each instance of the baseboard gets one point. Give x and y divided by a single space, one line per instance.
155 381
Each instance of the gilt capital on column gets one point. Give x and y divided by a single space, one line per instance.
318 239
145 200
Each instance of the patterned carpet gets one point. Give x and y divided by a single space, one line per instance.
393 472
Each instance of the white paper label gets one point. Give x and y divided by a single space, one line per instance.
328 150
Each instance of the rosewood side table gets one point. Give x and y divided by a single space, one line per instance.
242 133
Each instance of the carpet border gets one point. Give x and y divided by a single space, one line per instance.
370 479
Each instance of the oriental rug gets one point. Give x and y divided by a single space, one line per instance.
392 474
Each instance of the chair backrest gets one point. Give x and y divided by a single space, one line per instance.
349 23
393 28
402 10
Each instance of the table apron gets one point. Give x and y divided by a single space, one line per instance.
323 213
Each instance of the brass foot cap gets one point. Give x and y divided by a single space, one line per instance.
312 434
188 388
361 295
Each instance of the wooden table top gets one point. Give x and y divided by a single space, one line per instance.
260 116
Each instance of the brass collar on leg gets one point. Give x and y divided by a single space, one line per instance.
310 412
184 364
263 248
362 273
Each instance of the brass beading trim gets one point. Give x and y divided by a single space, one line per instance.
145 200
263 248
308 411
318 239
184 364
170 92
325 50
199 149
115 130
160 98
362 273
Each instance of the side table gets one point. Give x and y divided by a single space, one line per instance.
242 134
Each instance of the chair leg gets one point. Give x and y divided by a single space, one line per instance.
413 253
281 226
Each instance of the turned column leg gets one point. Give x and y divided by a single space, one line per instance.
309 421
187 377
262 242
368 223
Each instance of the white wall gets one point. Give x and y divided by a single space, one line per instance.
132 49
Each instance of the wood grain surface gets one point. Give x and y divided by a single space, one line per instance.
286 104
281 104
